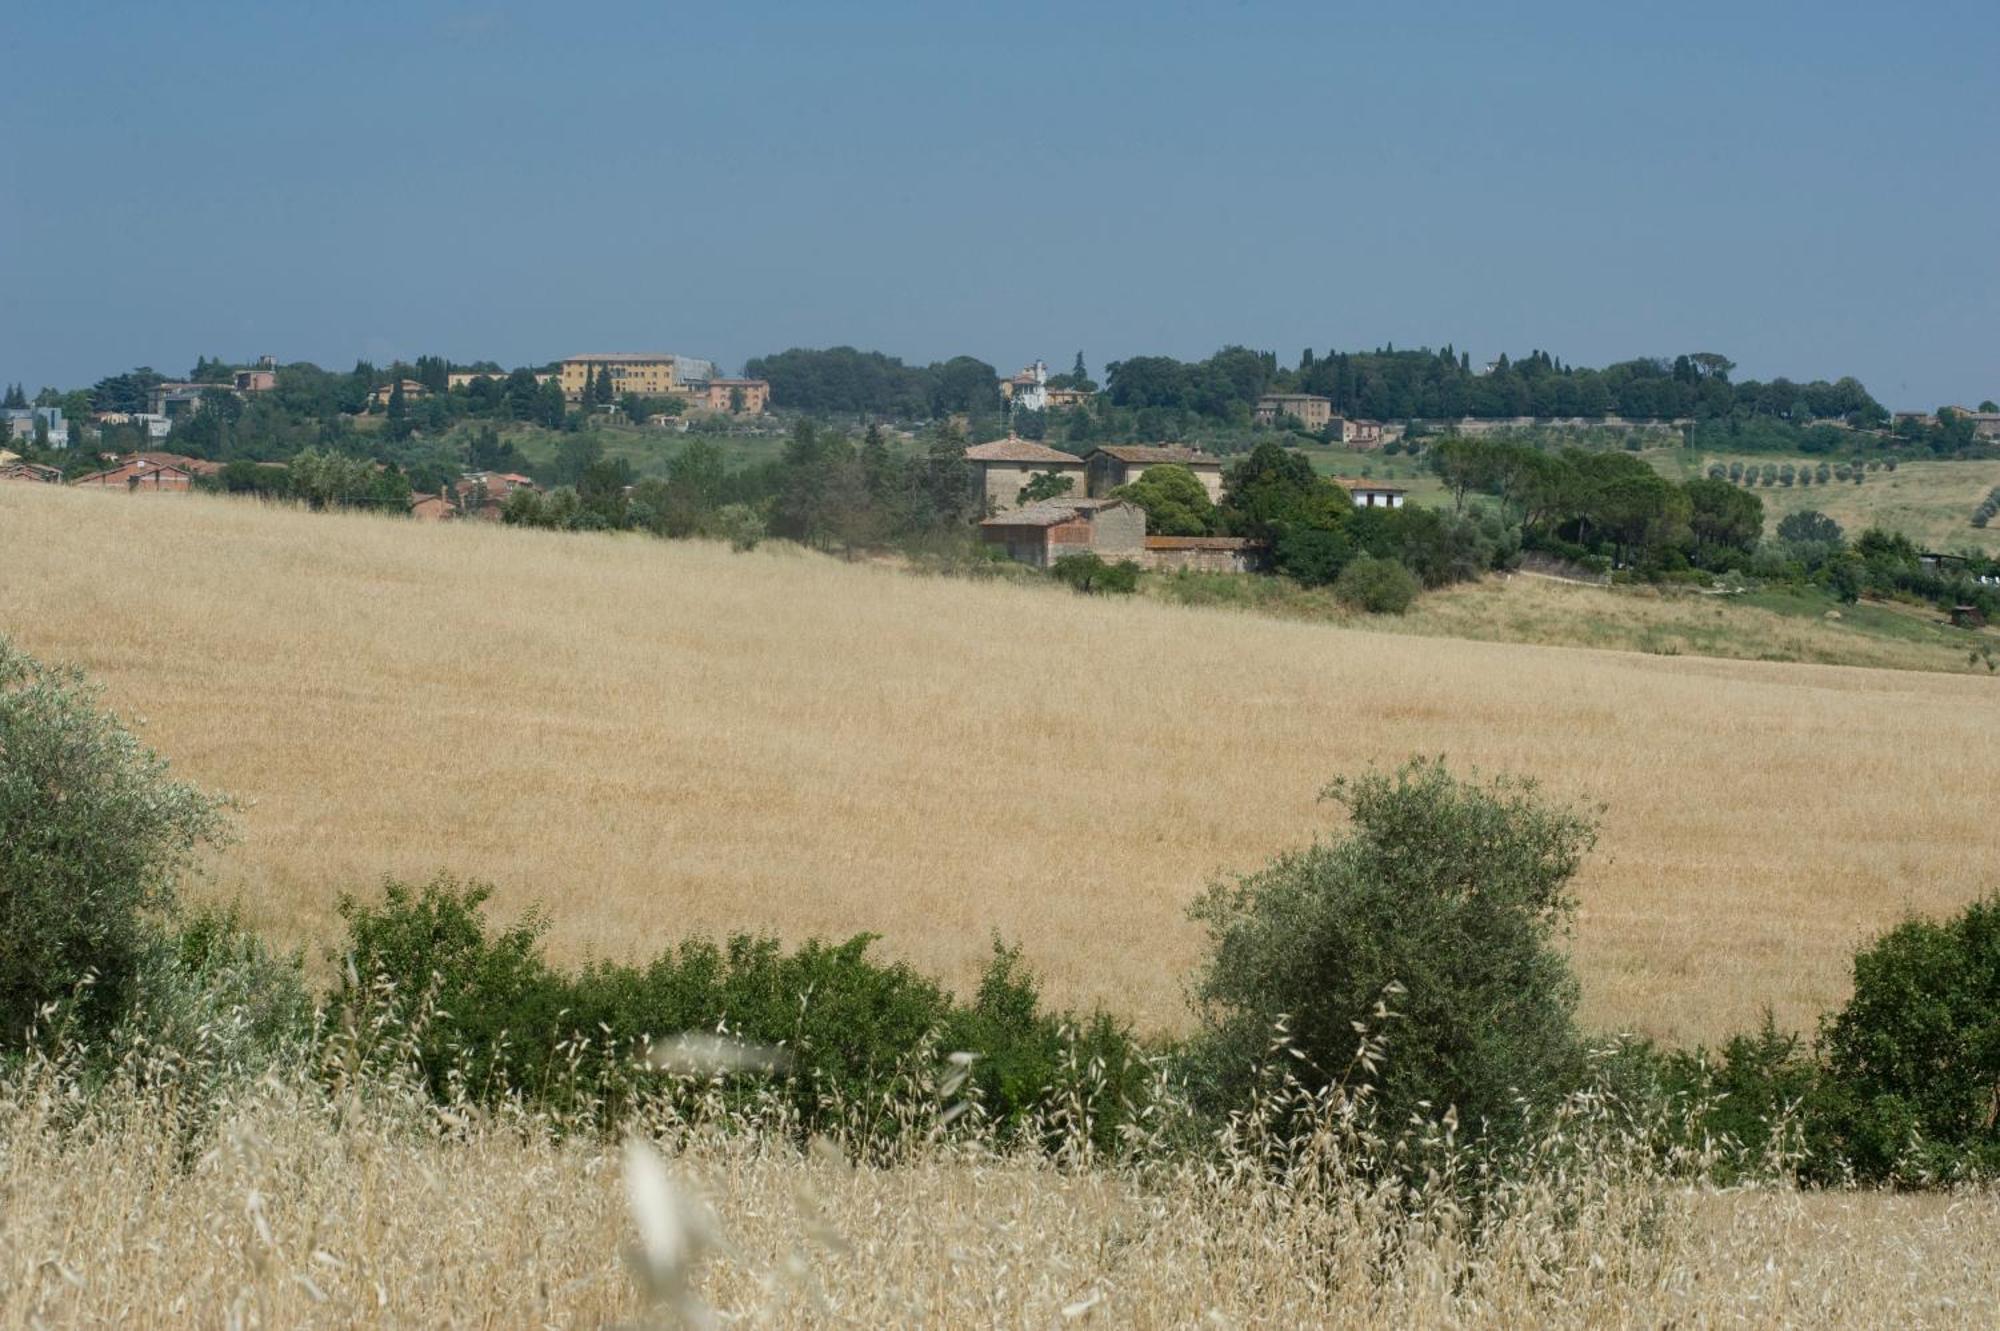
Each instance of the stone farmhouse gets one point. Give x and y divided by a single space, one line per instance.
1114 465
1001 468
1113 530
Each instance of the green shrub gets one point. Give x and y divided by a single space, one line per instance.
1089 574
740 525
1453 890
93 835
1913 1060
1378 586
1312 556
216 999
1751 1104
483 1015
1174 499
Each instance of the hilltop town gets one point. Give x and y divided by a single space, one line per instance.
1381 475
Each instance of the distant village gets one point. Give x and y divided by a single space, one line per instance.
1085 515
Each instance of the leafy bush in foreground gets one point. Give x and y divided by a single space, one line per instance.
1455 892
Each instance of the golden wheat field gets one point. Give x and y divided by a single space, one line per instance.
655 739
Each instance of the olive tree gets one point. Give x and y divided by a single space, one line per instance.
1457 891
93 837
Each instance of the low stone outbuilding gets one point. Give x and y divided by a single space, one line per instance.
1042 533
1001 468
1204 554
1114 465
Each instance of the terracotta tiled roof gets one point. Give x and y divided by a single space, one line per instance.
192 466
1012 449
128 470
1154 454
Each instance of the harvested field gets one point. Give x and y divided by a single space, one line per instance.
654 739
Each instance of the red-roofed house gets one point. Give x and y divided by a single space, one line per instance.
480 494
433 508
142 471
17 470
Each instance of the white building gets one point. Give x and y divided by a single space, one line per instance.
22 423
1028 390
1373 494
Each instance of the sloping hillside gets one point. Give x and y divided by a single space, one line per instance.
657 738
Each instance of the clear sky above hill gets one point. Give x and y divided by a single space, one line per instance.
1810 188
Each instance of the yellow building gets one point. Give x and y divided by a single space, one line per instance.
412 392
647 373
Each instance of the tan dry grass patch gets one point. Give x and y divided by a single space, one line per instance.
283 1218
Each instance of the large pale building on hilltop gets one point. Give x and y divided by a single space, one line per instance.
646 373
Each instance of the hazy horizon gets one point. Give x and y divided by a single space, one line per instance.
1809 190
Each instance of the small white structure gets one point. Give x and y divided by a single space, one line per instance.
1373 494
1028 390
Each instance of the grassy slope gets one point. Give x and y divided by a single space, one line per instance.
655 738
1929 501
1772 625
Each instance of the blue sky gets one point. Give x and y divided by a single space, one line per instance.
1812 189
